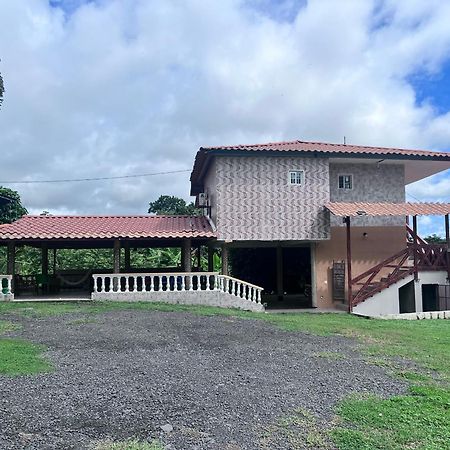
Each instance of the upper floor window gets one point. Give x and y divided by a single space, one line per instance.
345 182
296 177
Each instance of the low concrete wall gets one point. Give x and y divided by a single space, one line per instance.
6 297
419 315
204 298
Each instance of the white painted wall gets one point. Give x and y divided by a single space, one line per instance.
387 301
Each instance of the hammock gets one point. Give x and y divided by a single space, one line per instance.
74 283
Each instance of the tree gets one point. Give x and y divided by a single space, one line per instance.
11 209
170 205
434 239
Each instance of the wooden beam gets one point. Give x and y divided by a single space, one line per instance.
349 266
416 274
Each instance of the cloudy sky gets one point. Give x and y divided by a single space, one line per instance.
110 88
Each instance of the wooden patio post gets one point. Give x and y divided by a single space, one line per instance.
127 256
210 257
416 274
186 262
447 238
349 266
116 266
199 257
11 261
224 259
44 259
54 261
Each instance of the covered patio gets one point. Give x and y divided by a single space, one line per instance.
122 235
191 280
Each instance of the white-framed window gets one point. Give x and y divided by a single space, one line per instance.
296 177
345 182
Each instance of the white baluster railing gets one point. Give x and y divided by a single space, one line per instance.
241 289
135 283
5 287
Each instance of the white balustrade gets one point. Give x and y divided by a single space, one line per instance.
129 283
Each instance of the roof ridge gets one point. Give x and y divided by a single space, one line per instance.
332 144
106 216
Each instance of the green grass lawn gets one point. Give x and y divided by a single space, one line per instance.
418 420
17 356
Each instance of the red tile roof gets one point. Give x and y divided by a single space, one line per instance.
107 227
320 148
323 147
388 209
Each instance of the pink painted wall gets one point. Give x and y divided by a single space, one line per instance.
380 243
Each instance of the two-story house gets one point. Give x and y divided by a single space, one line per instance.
299 225
278 210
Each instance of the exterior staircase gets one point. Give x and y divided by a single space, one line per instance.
417 256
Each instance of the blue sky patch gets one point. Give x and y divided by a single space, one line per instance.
433 88
68 6
278 10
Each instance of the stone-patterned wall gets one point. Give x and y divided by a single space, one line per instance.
256 202
385 183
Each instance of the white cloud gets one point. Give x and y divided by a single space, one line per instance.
132 86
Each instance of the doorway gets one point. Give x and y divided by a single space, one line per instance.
283 272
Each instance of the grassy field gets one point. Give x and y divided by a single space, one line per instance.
19 357
418 420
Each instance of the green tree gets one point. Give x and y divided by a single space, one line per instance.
434 239
170 205
12 209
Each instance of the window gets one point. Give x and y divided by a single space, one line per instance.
296 177
345 182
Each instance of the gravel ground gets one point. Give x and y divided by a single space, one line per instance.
210 382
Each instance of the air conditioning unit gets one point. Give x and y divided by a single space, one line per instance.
202 199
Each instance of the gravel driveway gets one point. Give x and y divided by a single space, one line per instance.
210 382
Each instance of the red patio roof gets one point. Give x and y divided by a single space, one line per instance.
388 209
106 227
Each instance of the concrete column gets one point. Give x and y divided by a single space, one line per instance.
418 297
313 275
224 259
280 291
127 257
186 262
11 261
116 266
210 258
44 259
